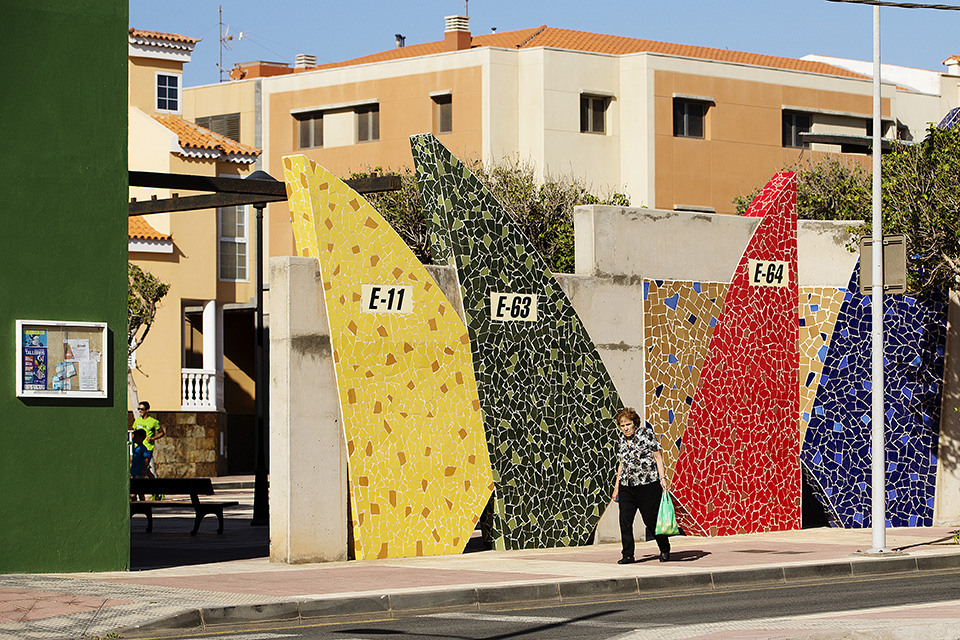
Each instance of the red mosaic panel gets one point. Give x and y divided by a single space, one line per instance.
739 469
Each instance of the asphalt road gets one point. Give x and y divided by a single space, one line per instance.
655 613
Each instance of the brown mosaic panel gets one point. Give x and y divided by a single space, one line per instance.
679 319
819 308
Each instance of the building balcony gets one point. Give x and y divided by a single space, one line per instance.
201 390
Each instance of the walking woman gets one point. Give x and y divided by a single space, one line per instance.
641 481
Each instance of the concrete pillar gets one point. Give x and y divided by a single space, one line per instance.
308 458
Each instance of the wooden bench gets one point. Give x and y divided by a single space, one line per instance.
194 487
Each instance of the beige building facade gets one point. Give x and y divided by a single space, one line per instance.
676 127
196 365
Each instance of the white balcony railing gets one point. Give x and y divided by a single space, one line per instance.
201 390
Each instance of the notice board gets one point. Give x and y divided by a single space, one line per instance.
61 359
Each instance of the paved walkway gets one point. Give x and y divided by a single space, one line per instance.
66 606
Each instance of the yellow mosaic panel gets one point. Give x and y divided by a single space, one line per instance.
679 319
420 473
819 308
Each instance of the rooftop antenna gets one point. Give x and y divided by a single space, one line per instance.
225 39
466 8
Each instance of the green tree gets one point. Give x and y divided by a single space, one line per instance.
543 210
832 189
921 200
144 292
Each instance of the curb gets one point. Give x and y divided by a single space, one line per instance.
484 598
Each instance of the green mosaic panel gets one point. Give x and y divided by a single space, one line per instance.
547 399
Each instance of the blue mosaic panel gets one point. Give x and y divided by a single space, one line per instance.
952 117
547 400
836 453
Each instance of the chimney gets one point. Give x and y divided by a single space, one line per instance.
401 40
304 60
456 35
953 65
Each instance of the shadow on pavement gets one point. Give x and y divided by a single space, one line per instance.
171 545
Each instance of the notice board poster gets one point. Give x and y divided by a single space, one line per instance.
61 359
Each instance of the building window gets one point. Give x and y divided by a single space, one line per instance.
227 125
688 118
443 113
233 243
795 123
310 130
168 92
368 123
593 111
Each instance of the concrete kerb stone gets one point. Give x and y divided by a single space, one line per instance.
275 611
183 620
582 589
507 594
817 571
542 593
679 582
343 606
458 599
900 564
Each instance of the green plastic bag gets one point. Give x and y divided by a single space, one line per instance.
666 518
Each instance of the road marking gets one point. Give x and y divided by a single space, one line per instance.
248 636
489 617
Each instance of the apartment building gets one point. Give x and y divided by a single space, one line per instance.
675 126
196 366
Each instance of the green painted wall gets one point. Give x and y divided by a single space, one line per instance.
63 254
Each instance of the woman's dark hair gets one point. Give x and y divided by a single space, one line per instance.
628 412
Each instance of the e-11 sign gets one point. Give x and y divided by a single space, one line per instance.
386 298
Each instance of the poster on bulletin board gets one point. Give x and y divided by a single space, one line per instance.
61 359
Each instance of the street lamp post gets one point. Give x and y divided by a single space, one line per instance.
878 511
261 502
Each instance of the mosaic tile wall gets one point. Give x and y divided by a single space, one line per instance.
679 320
836 452
819 308
547 399
738 470
420 473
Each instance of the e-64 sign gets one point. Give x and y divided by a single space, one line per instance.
768 273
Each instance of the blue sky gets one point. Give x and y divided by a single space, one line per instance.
333 31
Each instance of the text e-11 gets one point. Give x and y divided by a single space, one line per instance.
513 307
386 298
768 273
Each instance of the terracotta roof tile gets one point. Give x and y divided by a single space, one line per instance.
159 35
197 137
618 45
507 40
139 229
544 36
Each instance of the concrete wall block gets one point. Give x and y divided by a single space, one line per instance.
308 463
946 510
672 245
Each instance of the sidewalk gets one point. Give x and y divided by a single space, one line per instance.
143 603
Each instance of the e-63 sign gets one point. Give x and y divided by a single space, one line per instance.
513 307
